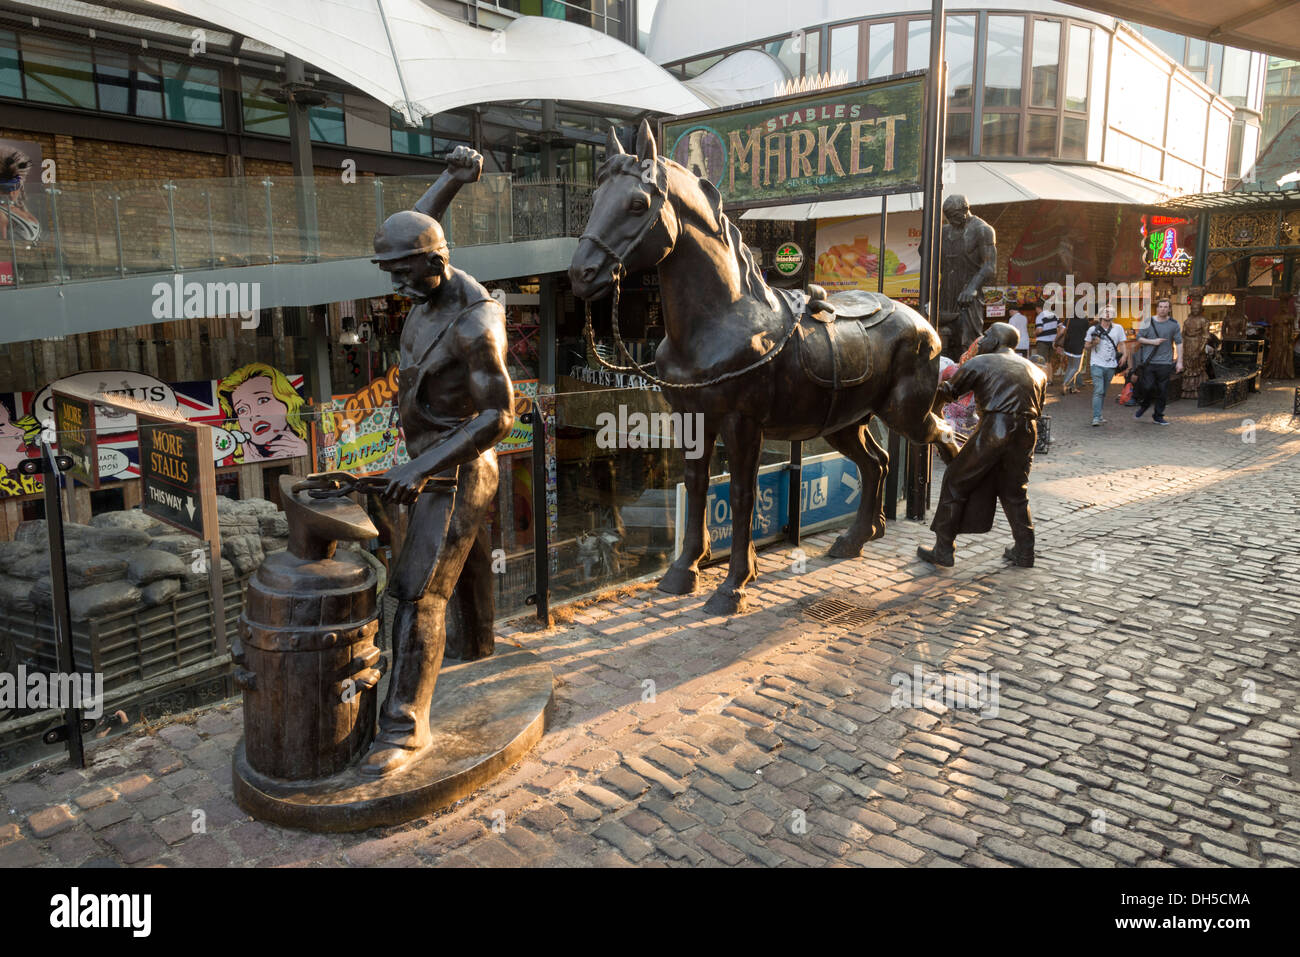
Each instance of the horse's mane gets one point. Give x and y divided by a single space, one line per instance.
706 202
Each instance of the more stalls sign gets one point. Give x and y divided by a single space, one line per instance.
858 140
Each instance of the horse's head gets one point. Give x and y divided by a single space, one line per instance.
632 225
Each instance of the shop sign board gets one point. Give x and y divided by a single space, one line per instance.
789 259
1163 252
862 139
74 425
177 481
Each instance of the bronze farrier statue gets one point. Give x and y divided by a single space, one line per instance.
969 259
994 462
455 404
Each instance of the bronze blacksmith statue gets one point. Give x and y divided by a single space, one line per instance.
994 463
455 404
969 259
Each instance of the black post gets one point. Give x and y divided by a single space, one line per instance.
51 467
541 596
918 489
794 512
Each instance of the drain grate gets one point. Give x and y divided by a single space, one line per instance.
1230 779
834 610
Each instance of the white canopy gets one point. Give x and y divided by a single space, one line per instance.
984 183
421 62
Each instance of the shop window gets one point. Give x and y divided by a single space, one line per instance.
880 50
918 44
1003 60
1214 67
129 84
695 67
193 93
844 51
58 72
1196 50
1041 135
33 509
812 44
261 113
1172 44
1076 68
228 484
1236 76
11 74
1000 134
959 50
327 125
789 53
1045 65
418 141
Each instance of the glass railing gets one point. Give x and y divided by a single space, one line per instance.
97 230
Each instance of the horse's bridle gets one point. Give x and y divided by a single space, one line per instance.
660 196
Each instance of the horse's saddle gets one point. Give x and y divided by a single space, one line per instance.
834 348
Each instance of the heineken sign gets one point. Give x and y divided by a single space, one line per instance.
858 140
789 257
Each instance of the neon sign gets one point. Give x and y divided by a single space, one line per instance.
1161 253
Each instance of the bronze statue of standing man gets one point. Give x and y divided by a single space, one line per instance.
994 463
968 260
455 404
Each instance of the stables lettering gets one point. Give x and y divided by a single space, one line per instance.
771 154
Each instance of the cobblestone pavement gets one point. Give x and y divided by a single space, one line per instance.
1146 713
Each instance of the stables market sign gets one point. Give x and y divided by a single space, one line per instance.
857 140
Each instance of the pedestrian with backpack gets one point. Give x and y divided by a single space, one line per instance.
1160 336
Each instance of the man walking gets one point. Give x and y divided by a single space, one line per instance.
994 463
1045 325
1070 344
1160 358
1103 341
1021 324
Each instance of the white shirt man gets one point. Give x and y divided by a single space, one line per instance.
1105 342
1022 327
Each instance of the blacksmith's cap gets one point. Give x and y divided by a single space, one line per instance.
407 233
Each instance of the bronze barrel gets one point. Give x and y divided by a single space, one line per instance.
309 665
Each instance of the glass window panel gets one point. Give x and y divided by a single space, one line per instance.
11 77
812 58
193 93
262 114
128 84
327 125
1216 142
1003 55
788 52
959 49
844 51
880 50
418 141
696 67
1195 52
1236 76
1170 43
1074 137
1214 68
1045 66
956 142
918 44
1041 135
1000 134
1076 68
1186 137
58 72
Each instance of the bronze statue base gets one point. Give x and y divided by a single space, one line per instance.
486 715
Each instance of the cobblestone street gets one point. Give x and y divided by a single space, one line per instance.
1143 679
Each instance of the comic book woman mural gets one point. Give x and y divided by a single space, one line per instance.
15 436
263 412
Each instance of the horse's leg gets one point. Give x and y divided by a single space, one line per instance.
872 461
912 409
744 440
684 573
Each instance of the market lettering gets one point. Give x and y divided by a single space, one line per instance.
771 156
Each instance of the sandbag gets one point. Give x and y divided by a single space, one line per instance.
94 568
23 560
150 565
15 594
164 589
98 601
244 551
273 526
133 518
118 540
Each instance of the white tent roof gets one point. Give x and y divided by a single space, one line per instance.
740 78
421 62
984 183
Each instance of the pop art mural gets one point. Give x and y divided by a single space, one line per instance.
256 414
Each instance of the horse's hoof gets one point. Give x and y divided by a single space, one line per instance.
845 547
877 531
726 602
679 581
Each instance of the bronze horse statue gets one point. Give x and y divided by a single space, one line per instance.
751 360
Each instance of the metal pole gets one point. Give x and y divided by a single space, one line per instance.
300 157
541 596
171 219
64 649
53 192
117 228
793 510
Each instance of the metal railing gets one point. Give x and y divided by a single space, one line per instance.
113 229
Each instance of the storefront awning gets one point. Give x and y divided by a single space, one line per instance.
986 183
